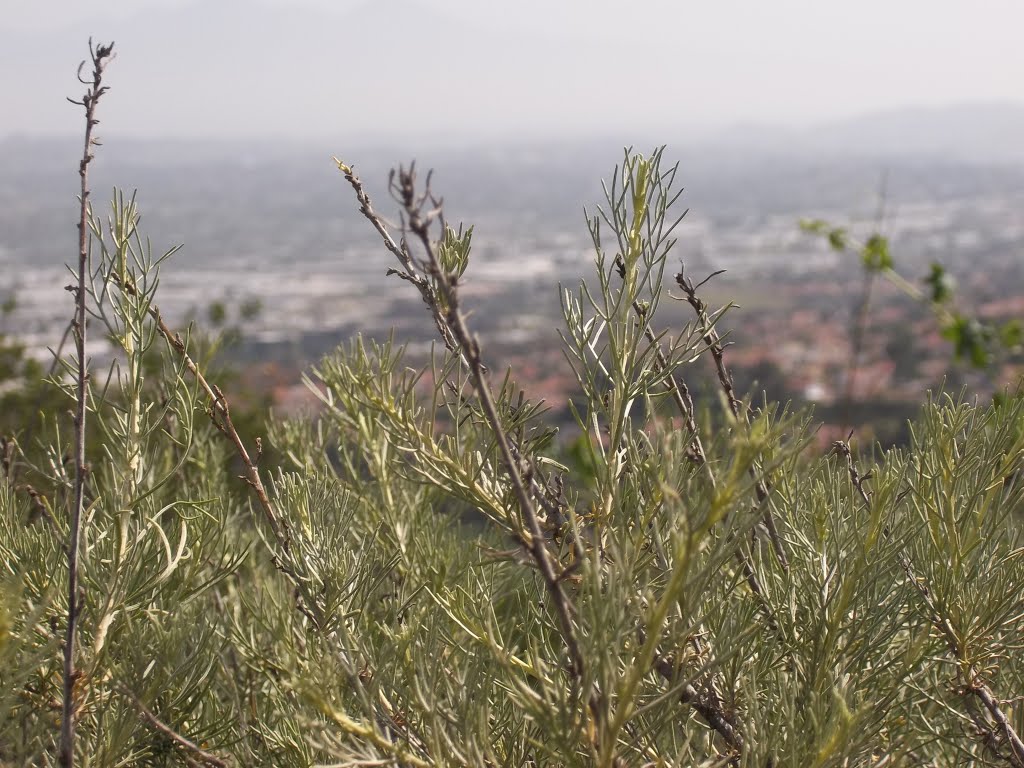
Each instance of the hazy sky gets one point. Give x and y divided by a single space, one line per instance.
530 67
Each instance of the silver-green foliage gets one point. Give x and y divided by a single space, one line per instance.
402 619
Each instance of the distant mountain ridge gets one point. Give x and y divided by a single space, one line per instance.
965 133
974 133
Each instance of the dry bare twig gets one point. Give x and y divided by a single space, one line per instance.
99 57
707 706
714 342
41 509
400 251
863 315
202 757
419 223
421 210
684 403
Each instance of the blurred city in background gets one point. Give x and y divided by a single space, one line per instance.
216 125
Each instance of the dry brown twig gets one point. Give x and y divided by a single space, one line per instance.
8 446
707 706
40 505
419 223
717 348
684 403
99 57
400 251
440 292
202 757
1000 730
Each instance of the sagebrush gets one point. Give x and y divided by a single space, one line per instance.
428 579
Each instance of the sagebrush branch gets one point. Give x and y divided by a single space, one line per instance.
1002 731
219 412
707 709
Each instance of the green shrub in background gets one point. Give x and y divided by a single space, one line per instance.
686 594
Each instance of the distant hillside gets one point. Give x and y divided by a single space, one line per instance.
971 133
986 132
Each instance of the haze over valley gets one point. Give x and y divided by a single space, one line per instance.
224 116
